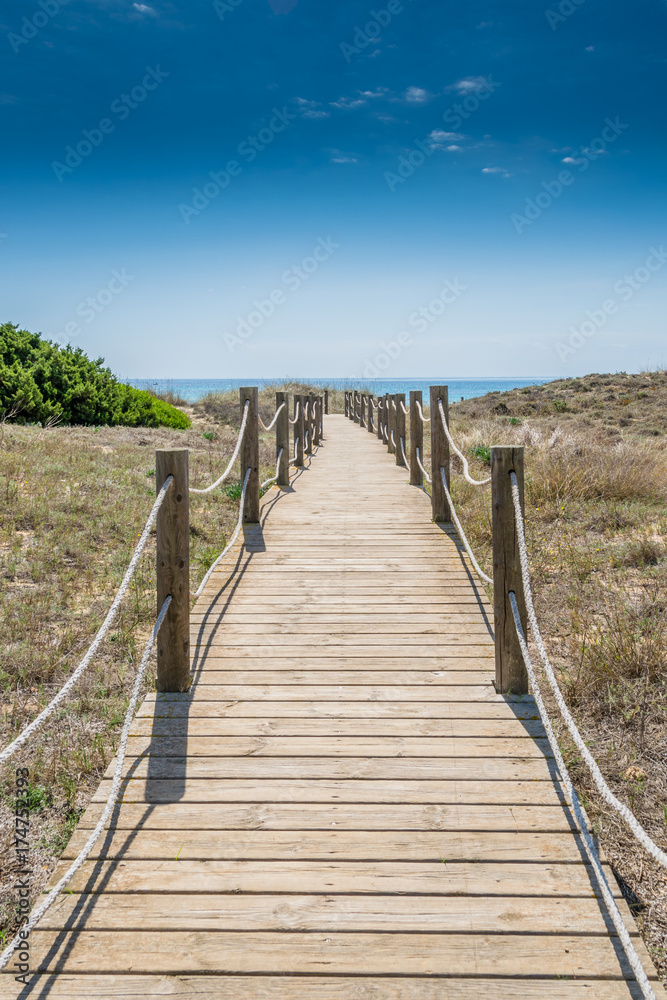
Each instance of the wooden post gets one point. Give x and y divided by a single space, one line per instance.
439 453
308 424
355 409
299 430
250 454
173 571
511 677
370 422
326 402
362 409
317 400
380 418
346 403
282 439
391 423
416 439
399 428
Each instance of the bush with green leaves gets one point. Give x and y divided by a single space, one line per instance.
42 382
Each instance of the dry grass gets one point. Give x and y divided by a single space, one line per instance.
73 501
596 519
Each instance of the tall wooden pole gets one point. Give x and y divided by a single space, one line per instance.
250 453
173 571
391 424
399 428
439 453
511 677
416 439
299 430
282 439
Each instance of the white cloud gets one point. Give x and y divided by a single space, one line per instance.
439 136
495 170
469 85
417 95
362 98
568 159
145 9
343 159
310 109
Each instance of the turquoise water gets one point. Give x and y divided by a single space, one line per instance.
459 388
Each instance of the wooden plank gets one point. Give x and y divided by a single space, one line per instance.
150 726
176 952
440 846
435 791
431 747
309 677
318 987
459 769
444 914
349 692
369 815
158 707
486 879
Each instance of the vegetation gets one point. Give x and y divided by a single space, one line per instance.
43 383
596 495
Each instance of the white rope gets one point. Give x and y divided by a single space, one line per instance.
424 420
393 443
296 412
296 448
589 846
475 482
403 406
602 786
234 456
273 478
233 538
275 417
419 463
403 451
480 573
384 433
39 912
104 628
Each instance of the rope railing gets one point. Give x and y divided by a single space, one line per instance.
419 463
227 547
296 449
603 788
267 482
480 572
589 845
237 449
294 419
466 473
37 913
275 417
403 407
424 420
104 628
405 458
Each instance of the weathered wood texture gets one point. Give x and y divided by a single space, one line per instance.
511 676
282 439
173 571
250 454
341 807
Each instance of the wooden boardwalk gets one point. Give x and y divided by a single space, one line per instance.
341 808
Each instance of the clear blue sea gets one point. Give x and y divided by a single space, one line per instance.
459 388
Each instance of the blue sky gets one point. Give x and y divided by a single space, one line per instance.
269 187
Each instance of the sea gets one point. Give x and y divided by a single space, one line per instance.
459 388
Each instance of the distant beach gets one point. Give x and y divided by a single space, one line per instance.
459 388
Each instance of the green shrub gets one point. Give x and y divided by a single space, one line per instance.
40 382
482 452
